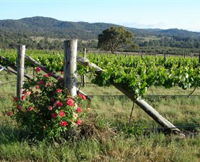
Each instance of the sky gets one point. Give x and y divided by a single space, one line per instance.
164 14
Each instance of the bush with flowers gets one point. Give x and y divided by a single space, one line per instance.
45 109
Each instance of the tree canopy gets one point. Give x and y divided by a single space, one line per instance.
113 38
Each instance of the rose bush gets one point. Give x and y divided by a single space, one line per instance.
45 108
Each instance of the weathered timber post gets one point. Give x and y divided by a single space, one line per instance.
20 69
70 55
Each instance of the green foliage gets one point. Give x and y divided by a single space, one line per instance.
113 38
134 73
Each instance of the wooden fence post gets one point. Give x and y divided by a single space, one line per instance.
20 69
199 57
70 55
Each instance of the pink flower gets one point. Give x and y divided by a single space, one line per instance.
46 75
62 72
63 123
9 113
37 87
41 82
26 93
30 108
81 96
37 69
50 108
61 113
58 90
54 115
70 102
19 107
78 110
78 122
58 104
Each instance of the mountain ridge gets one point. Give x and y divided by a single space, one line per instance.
51 27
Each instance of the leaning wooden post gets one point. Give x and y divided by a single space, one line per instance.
70 55
141 103
20 69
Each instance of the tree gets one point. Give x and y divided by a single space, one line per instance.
113 38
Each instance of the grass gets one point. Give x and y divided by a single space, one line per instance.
116 139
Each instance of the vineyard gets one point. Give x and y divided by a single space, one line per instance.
136 74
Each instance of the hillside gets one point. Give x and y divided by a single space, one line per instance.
49 33
49 27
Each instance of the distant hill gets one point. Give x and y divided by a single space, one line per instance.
49 27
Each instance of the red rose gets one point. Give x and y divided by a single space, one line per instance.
50 108
10 113
54 115
78 110
37 69
70 102
78 122
58 104
63 123
46 75
61 113
19 107
23 98
30 108
81 96
58 90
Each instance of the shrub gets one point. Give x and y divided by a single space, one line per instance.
45 109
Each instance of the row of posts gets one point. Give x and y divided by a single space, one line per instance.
70 67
